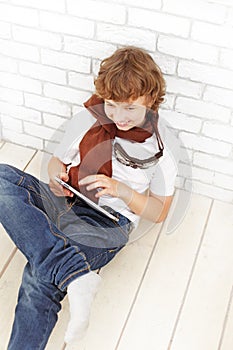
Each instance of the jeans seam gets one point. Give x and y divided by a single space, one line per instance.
62 213
51 229
46 328
71 275
97 256
41 196
65 242
120 228
76 272
20 180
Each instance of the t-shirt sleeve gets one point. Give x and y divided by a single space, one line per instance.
68 149
164 176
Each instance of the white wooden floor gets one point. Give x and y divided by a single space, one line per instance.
161 292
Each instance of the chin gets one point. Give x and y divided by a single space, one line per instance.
124 128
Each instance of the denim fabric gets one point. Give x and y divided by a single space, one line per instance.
61 239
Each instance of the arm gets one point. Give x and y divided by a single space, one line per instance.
151 207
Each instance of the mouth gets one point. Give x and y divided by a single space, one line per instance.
123 124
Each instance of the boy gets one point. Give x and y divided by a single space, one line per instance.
113 153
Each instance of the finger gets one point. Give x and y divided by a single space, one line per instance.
95 185
59 190
91 178
102 192
64 177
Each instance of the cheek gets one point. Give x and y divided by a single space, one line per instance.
108 111
140 116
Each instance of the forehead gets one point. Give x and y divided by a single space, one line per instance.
141 101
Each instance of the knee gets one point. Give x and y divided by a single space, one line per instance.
5 170
9 173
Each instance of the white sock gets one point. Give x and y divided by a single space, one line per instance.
81 293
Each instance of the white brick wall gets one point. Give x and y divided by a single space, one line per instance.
50 51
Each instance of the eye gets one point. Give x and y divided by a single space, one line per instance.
130 108
109 105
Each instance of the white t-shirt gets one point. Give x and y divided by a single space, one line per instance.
159 178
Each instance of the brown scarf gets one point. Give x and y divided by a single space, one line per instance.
96 145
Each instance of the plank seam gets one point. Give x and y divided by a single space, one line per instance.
226 319
139 286
190 277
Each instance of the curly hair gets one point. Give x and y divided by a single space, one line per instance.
129 73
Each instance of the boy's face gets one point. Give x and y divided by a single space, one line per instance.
126 115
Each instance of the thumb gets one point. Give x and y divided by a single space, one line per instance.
64 177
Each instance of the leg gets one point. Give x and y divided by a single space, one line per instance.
36 313
55 260
51 255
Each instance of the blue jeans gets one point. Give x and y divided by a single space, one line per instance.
62 239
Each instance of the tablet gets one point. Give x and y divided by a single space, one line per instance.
86 199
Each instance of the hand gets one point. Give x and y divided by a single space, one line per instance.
58 189
105 185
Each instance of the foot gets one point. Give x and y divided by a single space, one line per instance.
81 293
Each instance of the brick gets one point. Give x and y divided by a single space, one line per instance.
169 101
67 24
155 4
183 87
229 20
19 15
204 144
45 104
158 21
22 139
126 36
37 37
181 121
77 109
226 58
5 30
204 110
95 66
19 51
218 164
166 63
50 146
194 173
40 72
218 95
54 121
20 112
210 191
223 181
223 2
212 34
218 131
199 9
66 61
52 5
97 10
82 81
206 74
186 155
65 93
11 96
18 82
42 131
179 182
8 64
11 123
187 49
91 48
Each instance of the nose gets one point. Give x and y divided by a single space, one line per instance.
118 115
